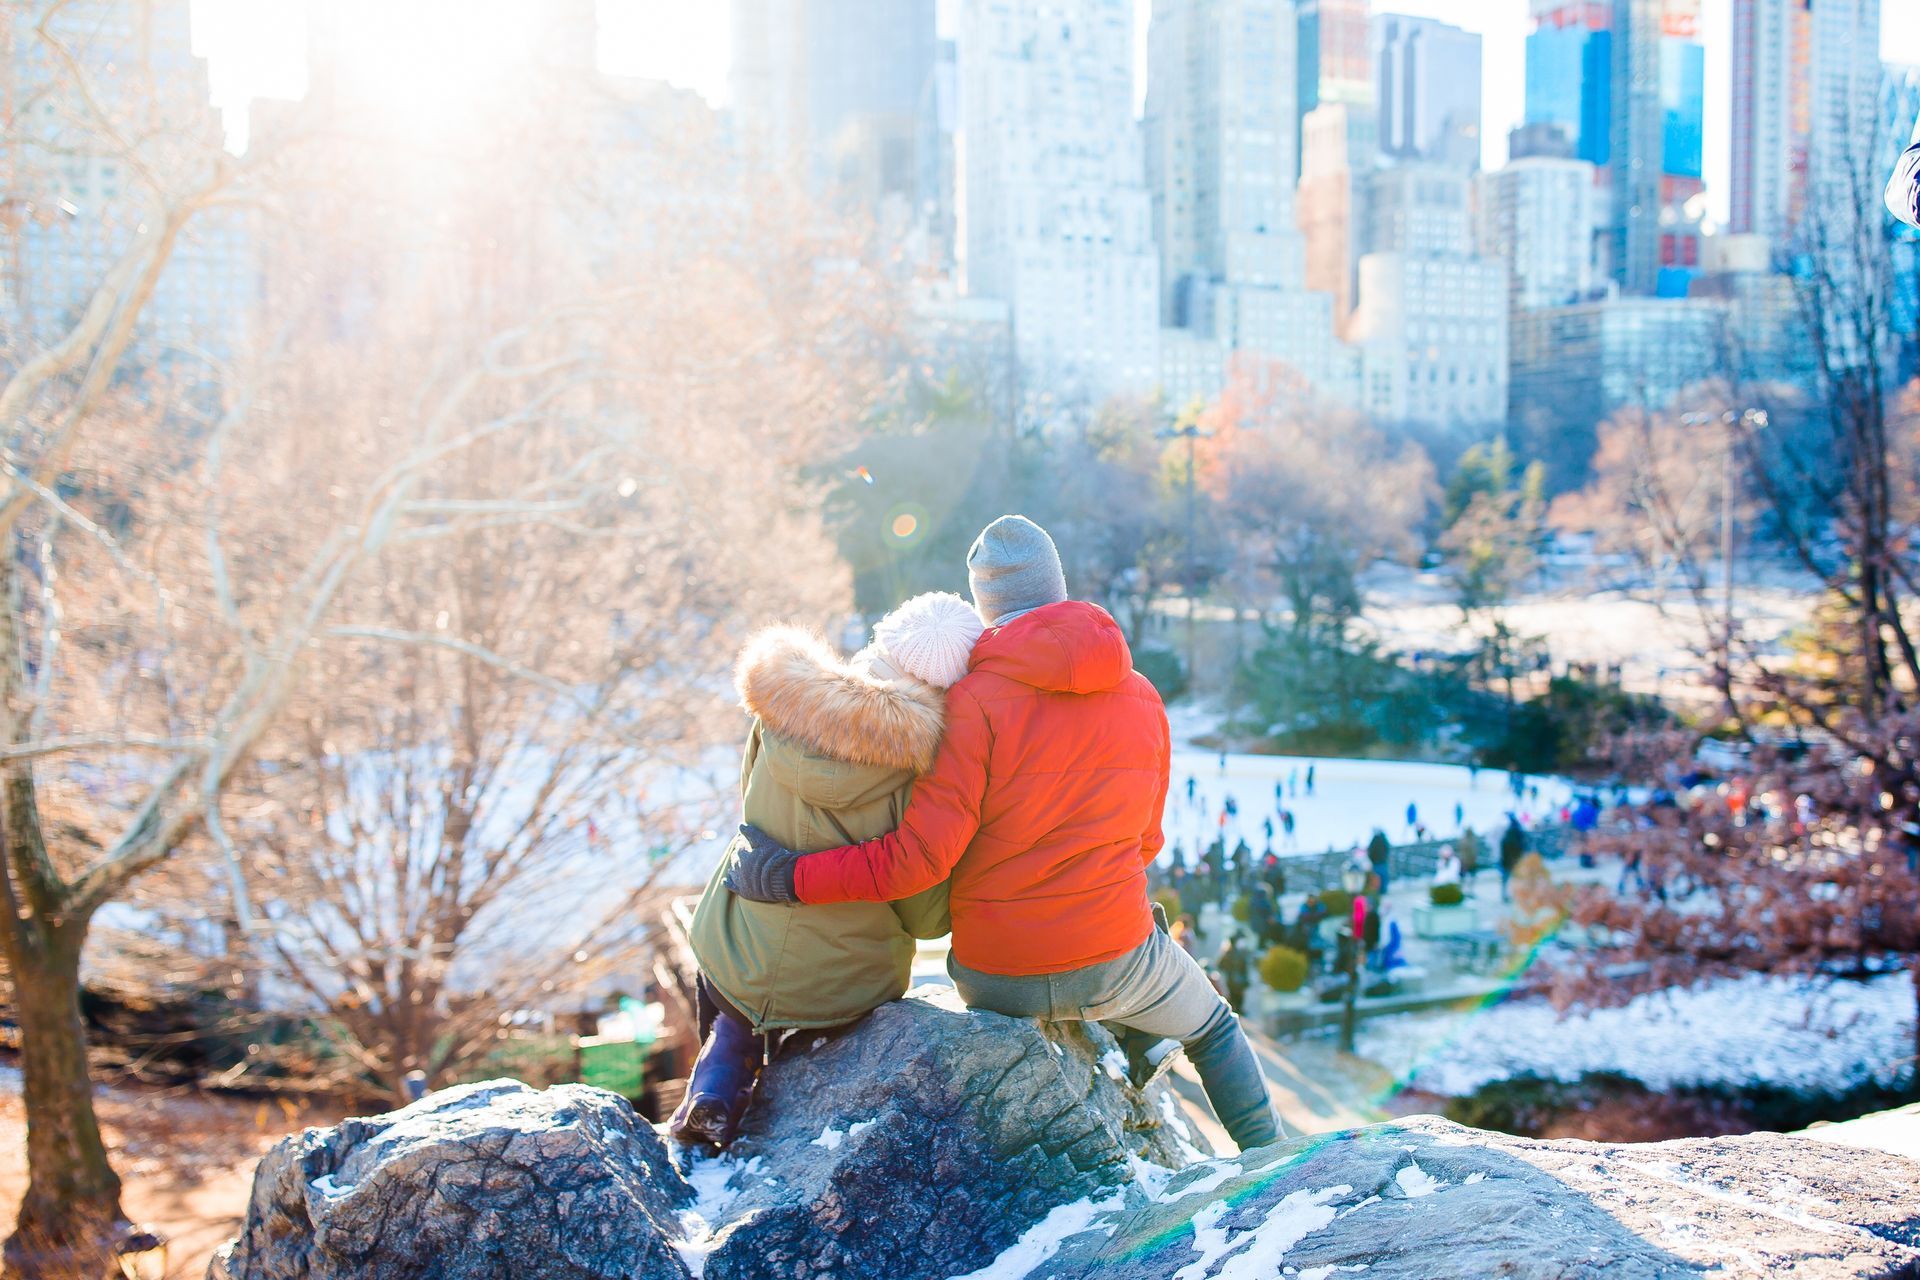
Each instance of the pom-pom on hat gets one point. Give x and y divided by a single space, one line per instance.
930 637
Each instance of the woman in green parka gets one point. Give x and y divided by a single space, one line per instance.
830 760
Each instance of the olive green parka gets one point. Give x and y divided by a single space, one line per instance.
830 760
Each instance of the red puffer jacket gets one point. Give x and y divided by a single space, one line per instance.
1043 805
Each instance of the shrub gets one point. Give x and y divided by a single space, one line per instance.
1447 895
1163 669
1169 900
1243 908
1338 902
1283 969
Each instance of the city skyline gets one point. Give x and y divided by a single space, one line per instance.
256 49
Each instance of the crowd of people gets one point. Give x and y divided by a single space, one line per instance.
1245 889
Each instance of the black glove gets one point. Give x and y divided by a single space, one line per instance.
762 867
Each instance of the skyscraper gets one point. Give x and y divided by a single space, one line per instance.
842 90
1342 147
1806 90
1219 129
1539 215
1428 82
1334 53
1655 162
1055 217
1570 73
1432 316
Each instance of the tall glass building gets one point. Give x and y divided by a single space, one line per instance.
1570 73
1683 108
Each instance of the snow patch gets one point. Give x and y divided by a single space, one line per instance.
1114 1063
831 1138
1204 1183
1416 1182
1255 1254
1182 1135
1759 1029
712 1179
1152 1179
1043 1239
326 1186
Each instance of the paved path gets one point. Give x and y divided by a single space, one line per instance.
1317 1088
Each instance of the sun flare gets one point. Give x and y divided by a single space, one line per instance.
430 66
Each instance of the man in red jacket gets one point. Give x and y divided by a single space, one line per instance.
1042 811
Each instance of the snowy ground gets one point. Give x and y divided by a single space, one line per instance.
1350 798
1752 1030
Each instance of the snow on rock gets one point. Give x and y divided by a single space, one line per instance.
1417 1182
714 1191
1256 1253
1042 1240
1895 1132
1223 1171
1758 1030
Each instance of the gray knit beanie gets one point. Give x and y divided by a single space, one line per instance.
1013 567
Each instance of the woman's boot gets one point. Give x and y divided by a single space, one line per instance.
721 1085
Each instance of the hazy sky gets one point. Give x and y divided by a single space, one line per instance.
255 49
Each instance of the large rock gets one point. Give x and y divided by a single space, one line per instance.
918 1144
492 1179
1429 1200
928 1139
930 1142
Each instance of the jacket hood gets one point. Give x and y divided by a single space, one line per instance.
800 689
1070 647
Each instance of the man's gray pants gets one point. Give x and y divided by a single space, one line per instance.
1156 989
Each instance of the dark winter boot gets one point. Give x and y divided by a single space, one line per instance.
1148 1057
721 1086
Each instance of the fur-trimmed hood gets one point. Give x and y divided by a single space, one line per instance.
800 689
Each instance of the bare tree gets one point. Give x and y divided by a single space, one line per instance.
1309 495
262 569
1791 869
1805 862
1495 521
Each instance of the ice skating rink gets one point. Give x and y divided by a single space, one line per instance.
1350 798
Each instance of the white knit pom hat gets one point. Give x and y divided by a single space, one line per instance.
930 637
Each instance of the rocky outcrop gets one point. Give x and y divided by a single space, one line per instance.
1425 1199
930 1142
920 1143
492 1179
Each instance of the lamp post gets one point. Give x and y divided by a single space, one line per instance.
1734 421
1191 433
1354 881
